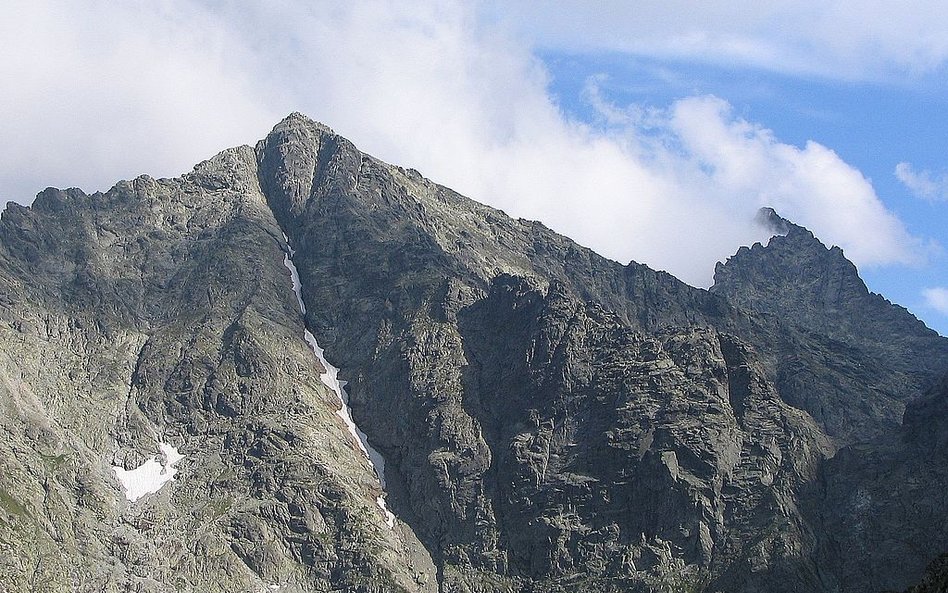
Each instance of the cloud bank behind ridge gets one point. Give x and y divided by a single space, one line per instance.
435 86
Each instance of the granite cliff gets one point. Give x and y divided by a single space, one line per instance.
549 420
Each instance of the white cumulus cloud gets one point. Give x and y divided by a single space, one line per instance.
97 91
715 163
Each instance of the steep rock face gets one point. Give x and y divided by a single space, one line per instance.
881 506
161 312
640 459
845 355
550 420
936 577
446 378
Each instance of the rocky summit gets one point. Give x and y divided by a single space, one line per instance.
512 412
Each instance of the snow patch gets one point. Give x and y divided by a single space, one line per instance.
330 379
150 476
294 276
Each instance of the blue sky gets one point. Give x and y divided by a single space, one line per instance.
649 131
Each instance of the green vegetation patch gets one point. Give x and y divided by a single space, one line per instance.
12 505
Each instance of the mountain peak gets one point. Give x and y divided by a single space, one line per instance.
294 155
297 120
809 289
768 218
794 266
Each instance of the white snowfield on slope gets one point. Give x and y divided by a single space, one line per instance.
149 477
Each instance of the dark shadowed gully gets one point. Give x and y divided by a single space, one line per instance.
549 420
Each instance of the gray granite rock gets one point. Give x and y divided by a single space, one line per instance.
550 420
847 356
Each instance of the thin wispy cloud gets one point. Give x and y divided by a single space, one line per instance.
435 86
937 299
924 184
874 40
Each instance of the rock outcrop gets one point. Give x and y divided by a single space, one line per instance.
880 506
847 356
549 420
935 579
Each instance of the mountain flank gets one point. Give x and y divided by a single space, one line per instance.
549 420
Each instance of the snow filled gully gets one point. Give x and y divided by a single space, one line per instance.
330 379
